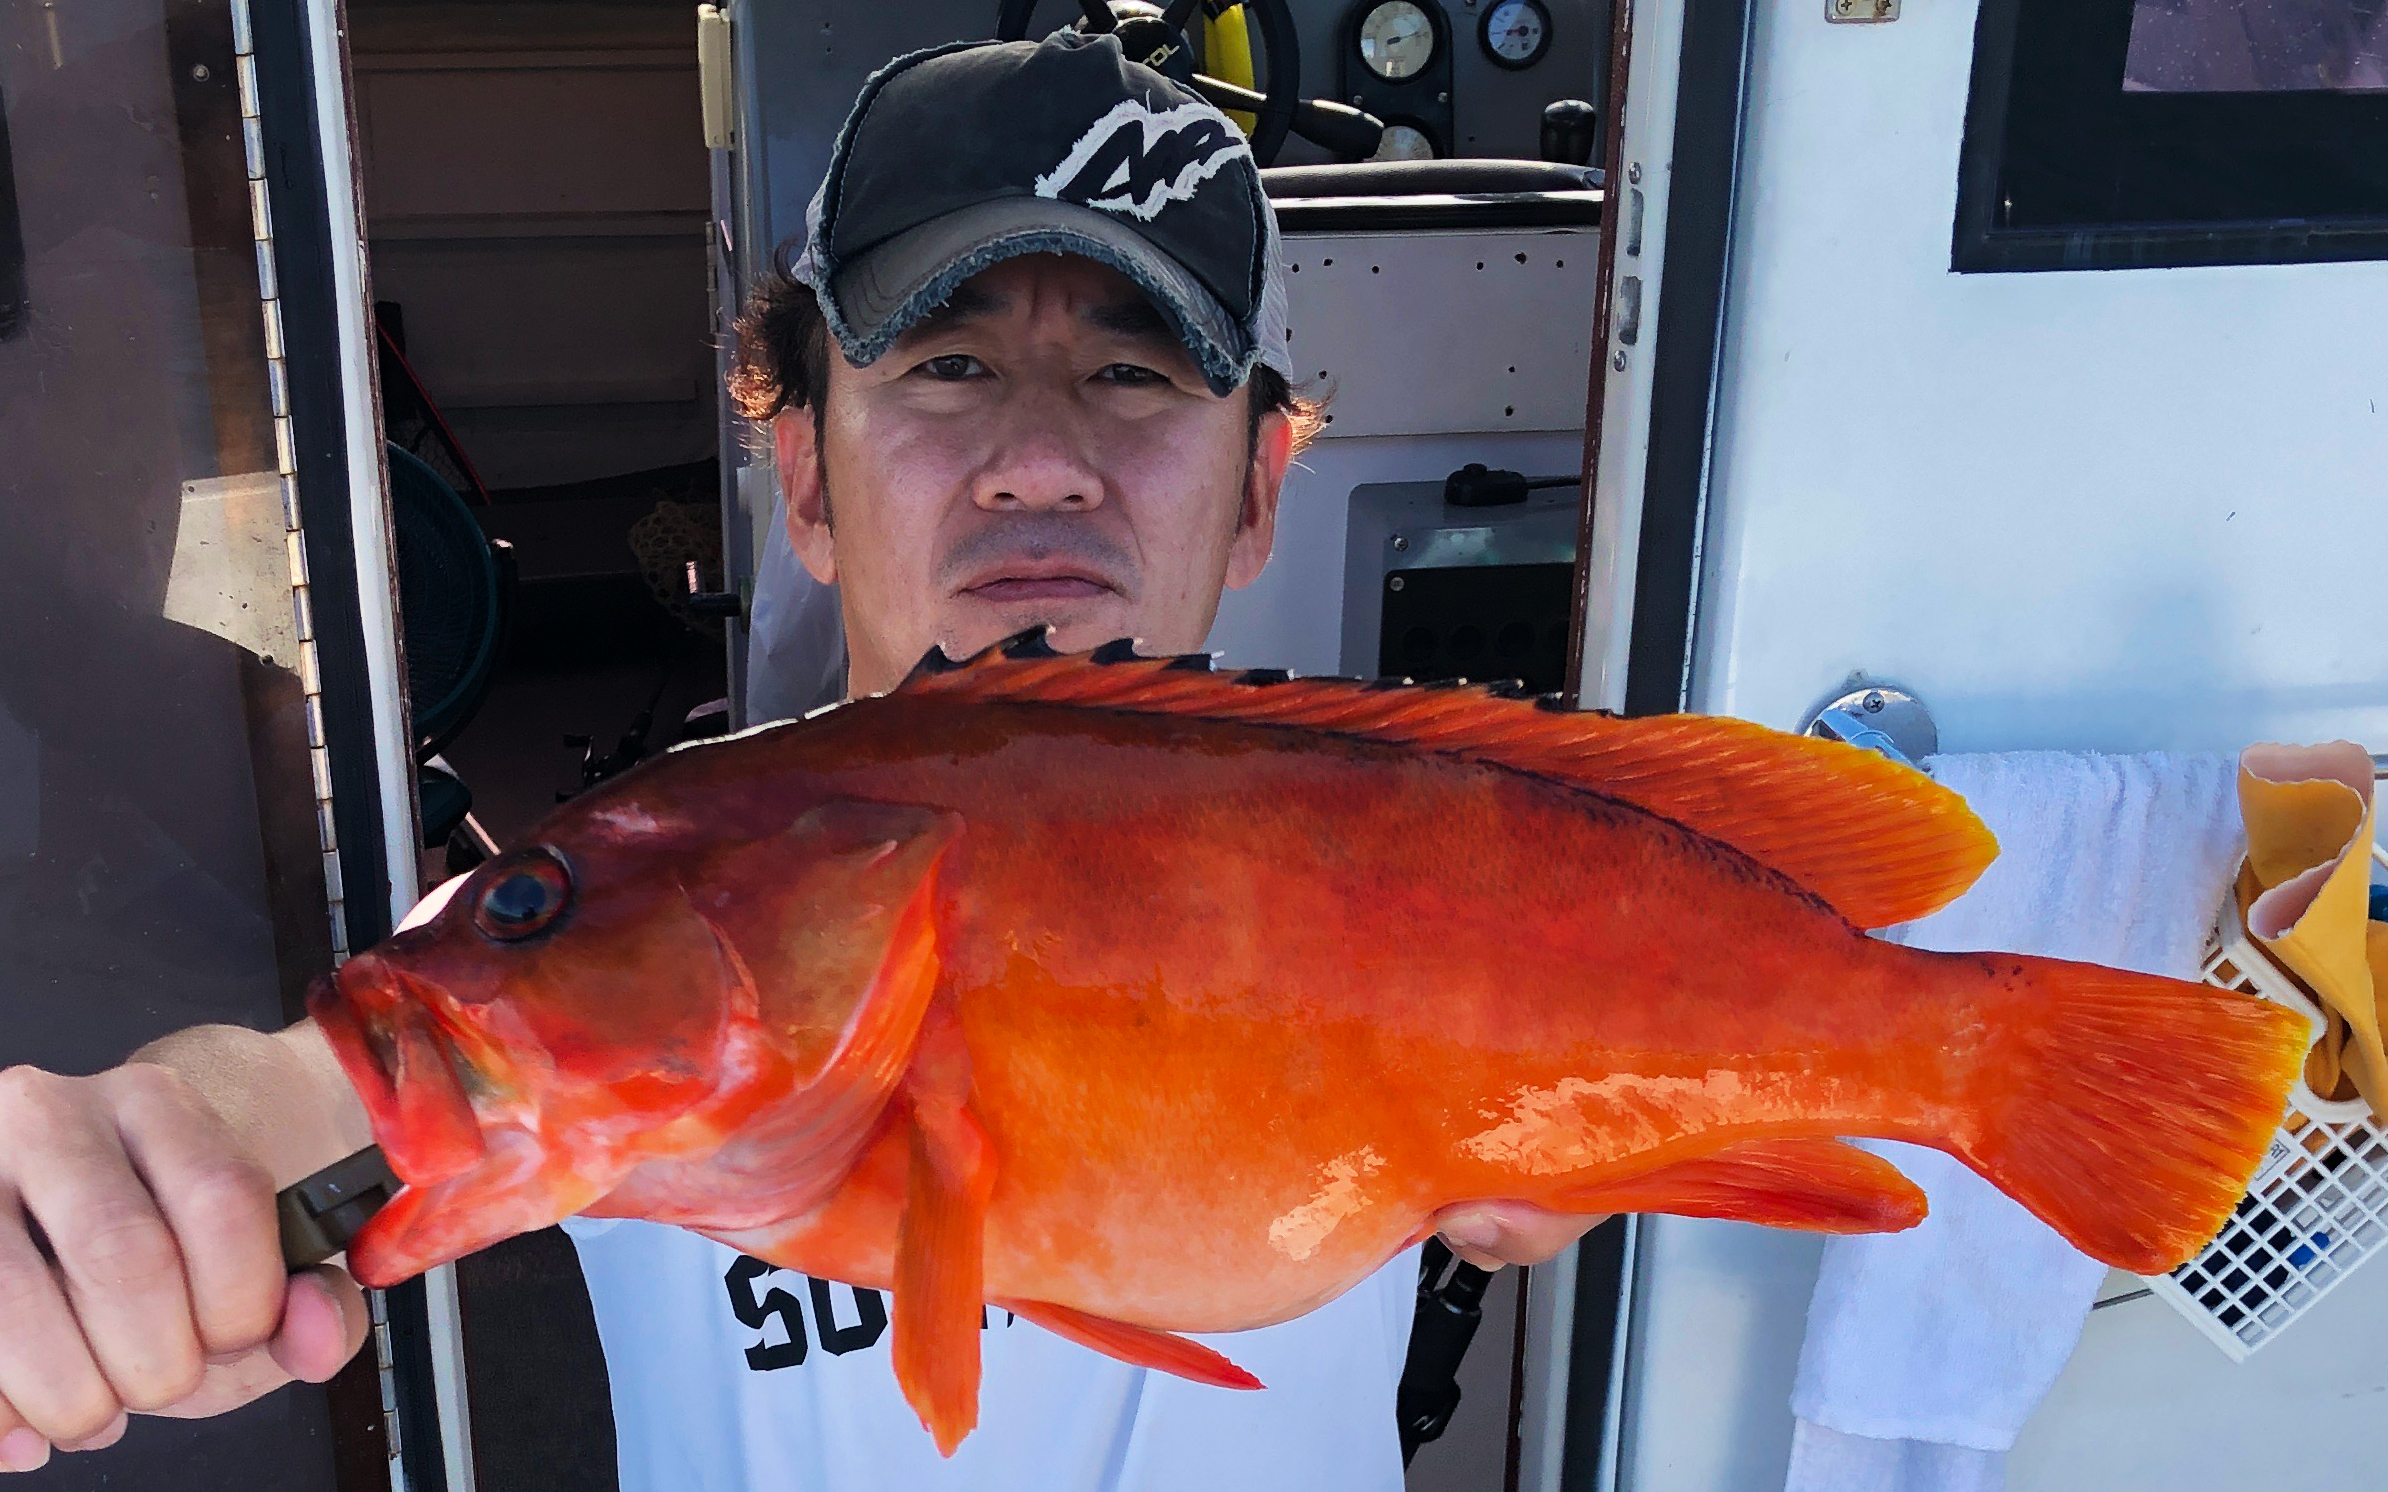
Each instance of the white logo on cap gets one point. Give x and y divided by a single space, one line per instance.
1135 161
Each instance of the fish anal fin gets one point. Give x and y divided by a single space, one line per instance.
1814 1185
940 1246
1140 1346
1788 802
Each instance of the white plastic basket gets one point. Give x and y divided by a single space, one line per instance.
2319 1204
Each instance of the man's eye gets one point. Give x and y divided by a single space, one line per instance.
953 365
1130 373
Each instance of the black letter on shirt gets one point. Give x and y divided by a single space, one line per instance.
764 1356
870 1324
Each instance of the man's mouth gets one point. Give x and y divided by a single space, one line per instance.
1031 582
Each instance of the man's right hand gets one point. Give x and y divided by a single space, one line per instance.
140 1259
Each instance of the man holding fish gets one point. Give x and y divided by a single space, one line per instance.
1031 369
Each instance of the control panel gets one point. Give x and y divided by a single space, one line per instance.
1453 77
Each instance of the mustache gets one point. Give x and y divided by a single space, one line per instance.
1040 538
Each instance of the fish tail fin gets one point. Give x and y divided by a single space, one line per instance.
2131 1110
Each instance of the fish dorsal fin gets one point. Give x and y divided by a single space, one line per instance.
1880 842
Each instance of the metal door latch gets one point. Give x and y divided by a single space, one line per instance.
1881 719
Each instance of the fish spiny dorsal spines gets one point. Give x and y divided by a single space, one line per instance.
1190 663
1036 642
935 661
1509 689
1117 650
1262 676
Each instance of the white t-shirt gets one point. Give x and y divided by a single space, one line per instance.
729 1375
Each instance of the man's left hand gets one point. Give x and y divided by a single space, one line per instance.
1491 1234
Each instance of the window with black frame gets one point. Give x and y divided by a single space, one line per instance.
2107 134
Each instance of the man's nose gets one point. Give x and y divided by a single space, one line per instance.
1038 466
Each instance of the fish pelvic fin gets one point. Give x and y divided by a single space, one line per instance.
1139 1346
1811 1184
940 1246
2127 1111
1785 801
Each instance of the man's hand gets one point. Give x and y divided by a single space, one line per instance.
140 1260
1491 1234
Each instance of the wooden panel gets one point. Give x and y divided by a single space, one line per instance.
572 133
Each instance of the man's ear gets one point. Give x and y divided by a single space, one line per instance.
795 445
1256 525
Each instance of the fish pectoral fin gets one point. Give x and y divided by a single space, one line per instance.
1814 1185
1138 1346
941 1244
844 901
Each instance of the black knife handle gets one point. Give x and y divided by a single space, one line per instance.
321 1214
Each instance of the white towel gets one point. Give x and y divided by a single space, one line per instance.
1926 1350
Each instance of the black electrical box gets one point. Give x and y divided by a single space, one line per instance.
1487 623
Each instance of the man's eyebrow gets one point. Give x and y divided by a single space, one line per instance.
1135 319
968 303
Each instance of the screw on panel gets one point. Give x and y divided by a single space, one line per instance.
1634 172
1394 584
1618 362
1873 702
1401 541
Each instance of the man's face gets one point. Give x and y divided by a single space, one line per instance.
1043 449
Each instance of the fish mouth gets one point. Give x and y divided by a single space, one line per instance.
403 1067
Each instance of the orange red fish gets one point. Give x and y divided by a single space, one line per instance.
1141 1000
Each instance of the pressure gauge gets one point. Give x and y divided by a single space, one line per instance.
1516 32
1404 142
1396 40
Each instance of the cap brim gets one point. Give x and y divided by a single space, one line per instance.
881 292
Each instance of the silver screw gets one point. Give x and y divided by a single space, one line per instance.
1401 541
200 74
1618 362
1444 97
1394 584
1634 172
1874 702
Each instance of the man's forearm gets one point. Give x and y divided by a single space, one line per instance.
282 1092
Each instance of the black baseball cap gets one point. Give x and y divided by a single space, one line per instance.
961 156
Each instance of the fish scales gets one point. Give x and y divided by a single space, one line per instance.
1292 891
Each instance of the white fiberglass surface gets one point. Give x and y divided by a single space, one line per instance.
2114 510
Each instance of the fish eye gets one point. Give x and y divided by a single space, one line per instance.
524 897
